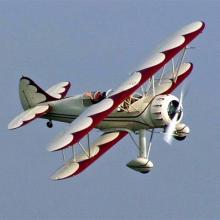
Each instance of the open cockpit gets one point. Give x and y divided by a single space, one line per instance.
90 98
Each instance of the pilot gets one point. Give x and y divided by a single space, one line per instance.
96 96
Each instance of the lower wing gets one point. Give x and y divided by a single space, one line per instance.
78 164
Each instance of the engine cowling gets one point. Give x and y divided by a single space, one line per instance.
162 110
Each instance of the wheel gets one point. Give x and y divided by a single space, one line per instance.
179 138
49 124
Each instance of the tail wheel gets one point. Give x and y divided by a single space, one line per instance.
49 124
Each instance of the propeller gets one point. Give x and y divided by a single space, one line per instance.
168 135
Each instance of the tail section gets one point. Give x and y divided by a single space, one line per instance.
32 99
31 94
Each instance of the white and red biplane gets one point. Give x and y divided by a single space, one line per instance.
115 112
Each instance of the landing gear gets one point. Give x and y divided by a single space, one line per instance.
142 163
49 124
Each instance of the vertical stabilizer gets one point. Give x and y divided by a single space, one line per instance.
31 94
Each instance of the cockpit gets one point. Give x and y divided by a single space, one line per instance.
90 98
94 97
127 105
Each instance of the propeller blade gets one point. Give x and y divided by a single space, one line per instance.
184 92
168 136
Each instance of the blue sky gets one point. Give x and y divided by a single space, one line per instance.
95 45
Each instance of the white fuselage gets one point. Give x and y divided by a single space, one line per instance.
135 118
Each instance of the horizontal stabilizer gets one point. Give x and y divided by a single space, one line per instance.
59 90
29 115
75 166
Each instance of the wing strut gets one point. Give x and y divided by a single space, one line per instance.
83 149
173 67
181 62
150 143
63 155
162 73
74 153
88 143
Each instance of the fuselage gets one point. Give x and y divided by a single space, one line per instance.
135 117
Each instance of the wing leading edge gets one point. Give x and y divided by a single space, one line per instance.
96 113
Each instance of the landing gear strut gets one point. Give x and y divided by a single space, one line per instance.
49 124
142 164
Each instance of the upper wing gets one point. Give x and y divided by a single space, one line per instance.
96 113
74 167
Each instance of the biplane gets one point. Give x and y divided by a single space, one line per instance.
143 103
